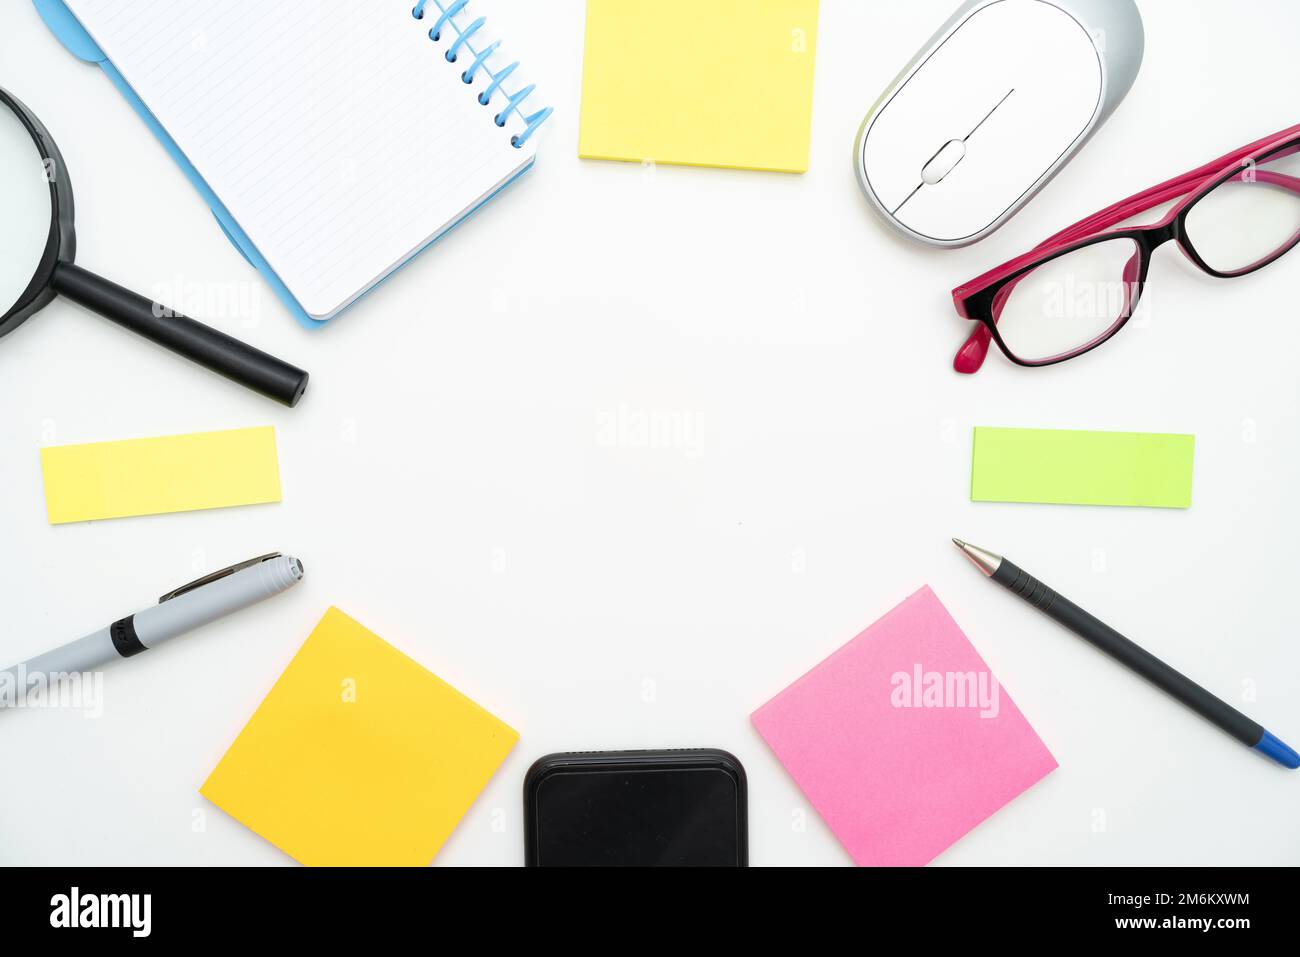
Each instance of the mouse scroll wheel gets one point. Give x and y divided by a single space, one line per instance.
943 162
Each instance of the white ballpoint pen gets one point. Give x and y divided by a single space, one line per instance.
184 609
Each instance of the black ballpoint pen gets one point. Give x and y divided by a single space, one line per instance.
1101 635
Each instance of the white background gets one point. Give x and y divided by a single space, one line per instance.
449 482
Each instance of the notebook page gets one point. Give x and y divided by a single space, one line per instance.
336 133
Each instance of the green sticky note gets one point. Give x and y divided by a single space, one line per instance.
1063 467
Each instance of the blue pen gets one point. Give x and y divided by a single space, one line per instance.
1097 633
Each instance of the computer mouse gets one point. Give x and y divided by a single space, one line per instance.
1001 98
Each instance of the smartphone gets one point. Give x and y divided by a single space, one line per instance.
676 808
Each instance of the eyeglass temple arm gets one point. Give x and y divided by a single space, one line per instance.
971 355
1170 190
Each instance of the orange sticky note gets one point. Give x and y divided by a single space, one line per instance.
358 756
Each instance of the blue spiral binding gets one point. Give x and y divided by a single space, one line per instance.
436 33
497 80
533 121
468 75
470 30
514 102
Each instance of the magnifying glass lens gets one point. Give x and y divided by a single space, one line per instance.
25 210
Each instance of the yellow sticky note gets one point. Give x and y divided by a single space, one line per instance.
699 82
173 473
358 756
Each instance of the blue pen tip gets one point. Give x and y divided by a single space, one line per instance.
1278 751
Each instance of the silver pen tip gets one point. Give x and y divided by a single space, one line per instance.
981 558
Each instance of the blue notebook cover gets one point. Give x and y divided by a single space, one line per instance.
61 22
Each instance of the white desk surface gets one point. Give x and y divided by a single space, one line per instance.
457 477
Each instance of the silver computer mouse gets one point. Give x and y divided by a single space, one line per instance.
1003 95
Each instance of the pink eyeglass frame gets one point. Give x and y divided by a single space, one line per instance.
981 300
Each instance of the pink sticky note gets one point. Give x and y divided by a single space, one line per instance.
903 740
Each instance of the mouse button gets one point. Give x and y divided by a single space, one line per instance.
932 108
944 214
887 165
1051 105
948 92
943 162
1053 91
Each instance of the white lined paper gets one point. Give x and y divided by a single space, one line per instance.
335 133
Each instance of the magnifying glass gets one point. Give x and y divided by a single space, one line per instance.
38 245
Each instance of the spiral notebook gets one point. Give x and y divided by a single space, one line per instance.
338 138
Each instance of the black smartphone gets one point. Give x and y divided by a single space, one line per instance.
678 808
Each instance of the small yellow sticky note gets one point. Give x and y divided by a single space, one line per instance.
173 473
358 756
699 82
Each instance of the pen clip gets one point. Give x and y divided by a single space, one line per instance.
214 576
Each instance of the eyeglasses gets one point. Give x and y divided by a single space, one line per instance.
1078 288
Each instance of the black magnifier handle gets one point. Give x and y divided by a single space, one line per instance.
211 349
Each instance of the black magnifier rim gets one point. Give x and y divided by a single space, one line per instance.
61 245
